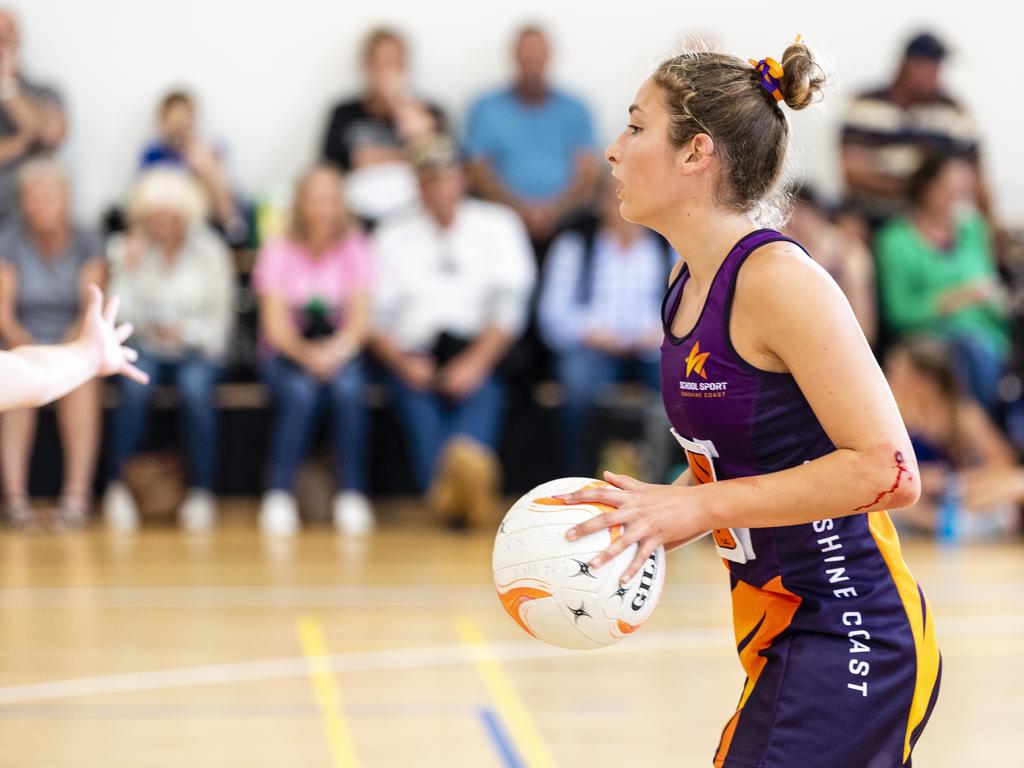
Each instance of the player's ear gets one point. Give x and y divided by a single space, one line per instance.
695 155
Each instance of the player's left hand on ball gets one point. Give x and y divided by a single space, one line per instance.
649 513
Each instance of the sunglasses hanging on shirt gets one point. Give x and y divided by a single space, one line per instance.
446 260
448 263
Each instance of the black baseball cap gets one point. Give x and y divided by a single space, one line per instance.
927 46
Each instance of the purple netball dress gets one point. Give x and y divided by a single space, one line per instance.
834 633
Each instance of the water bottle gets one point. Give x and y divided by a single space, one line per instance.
949 510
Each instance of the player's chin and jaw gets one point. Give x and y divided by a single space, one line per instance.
624 206
636 177
627 206
631 208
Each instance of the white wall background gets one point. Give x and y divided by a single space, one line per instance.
266 71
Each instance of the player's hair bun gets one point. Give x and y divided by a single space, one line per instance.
803 78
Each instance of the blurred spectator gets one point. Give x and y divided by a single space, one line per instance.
452 295
843 255
888 131
314 288
937 275
600 303
532 145
367 136
46 264
963 458
180 145
31 117
175 280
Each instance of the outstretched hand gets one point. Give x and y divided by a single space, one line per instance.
105 340
651 516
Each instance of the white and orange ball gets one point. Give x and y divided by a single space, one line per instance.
544 580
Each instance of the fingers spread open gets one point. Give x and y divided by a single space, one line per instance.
622 481
133 373
130 354
642 553
595 524
95 301
123 331
611 552
612 497
110 313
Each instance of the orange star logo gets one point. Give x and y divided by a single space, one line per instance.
695 361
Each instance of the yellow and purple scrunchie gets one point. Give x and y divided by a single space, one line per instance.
771 76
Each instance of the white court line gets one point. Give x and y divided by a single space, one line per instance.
372 596
357 661
425 657
402 596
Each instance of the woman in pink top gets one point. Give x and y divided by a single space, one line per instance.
314 288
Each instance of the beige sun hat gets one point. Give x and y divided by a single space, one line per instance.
433 153
167 189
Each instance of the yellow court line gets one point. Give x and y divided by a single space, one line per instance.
511 708
326 692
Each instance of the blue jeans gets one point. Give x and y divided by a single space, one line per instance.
585 374
978 367
300 398
431 420
195 378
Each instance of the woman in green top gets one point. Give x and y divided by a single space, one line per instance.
937 275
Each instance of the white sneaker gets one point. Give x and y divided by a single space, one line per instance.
199 510
120 512
279 514
352 514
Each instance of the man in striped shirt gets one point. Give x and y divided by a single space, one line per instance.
888 131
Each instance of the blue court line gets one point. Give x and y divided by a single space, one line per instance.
509 756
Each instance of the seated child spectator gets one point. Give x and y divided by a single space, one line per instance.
181 145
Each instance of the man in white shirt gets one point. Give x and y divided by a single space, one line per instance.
453 289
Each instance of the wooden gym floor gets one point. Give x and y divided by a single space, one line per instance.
162 649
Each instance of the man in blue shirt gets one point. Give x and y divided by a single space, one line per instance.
531 145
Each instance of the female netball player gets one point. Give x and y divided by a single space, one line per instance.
32 376
794 443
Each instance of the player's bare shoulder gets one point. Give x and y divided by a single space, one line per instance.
779 281
781 296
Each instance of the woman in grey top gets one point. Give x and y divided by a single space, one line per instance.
46 266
